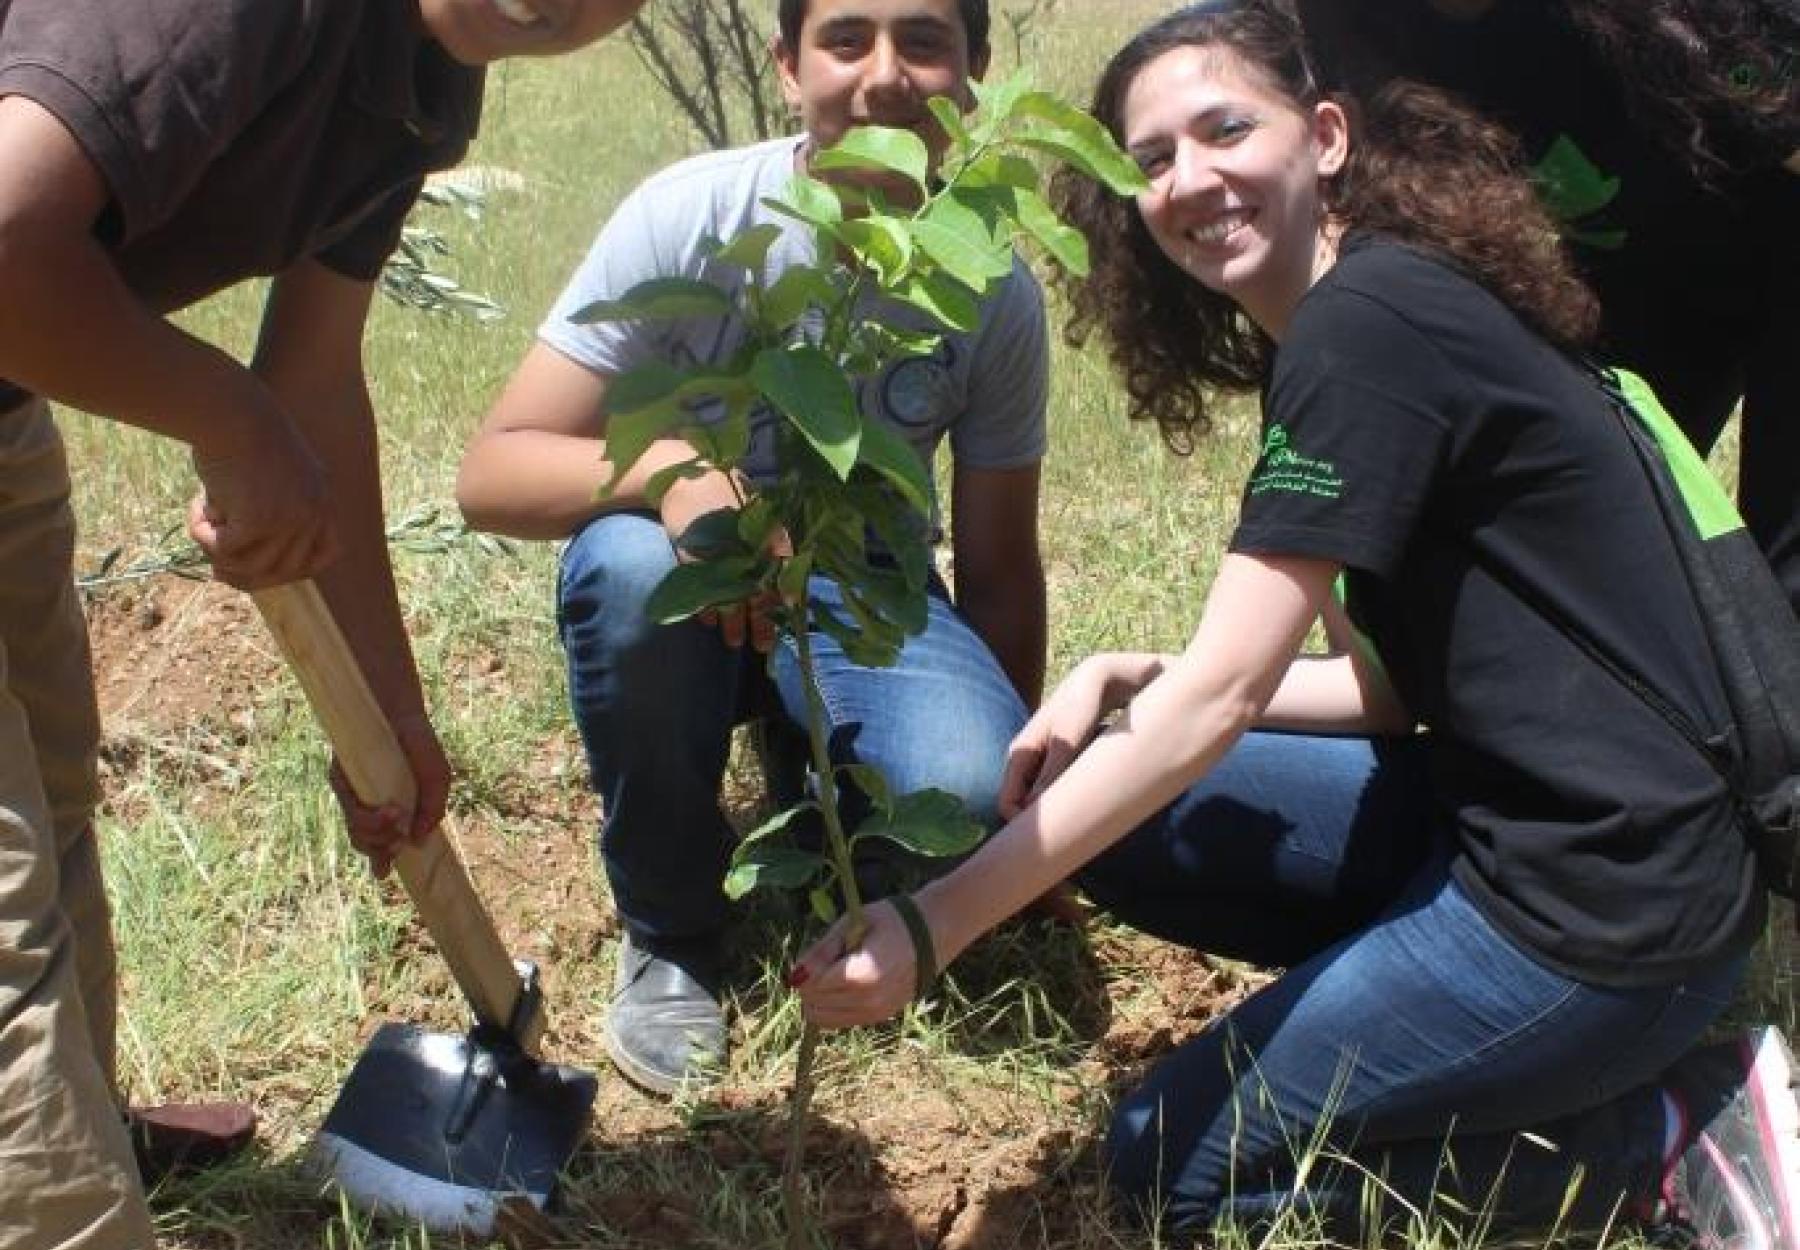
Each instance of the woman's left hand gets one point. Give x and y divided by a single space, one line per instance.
840 988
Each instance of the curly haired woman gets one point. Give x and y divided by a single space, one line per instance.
1508 897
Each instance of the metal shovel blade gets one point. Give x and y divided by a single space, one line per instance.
430 1129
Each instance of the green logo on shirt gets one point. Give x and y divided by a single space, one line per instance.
1284 469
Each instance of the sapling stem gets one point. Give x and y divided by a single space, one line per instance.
856 926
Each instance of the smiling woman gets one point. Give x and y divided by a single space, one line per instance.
1504 932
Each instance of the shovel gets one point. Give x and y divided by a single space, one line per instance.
451 1132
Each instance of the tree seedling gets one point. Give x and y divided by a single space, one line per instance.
905 252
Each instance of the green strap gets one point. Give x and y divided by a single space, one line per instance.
925 954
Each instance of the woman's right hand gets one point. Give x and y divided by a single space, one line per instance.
1064 724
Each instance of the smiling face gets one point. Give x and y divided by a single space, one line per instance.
476 32
876 62
1236 169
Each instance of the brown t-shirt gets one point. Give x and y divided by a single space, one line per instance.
241 136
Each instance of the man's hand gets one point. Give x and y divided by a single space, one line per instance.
687 501
381 832
263 515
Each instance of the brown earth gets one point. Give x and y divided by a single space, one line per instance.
911 1156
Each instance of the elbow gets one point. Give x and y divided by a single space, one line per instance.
1215 715
475 498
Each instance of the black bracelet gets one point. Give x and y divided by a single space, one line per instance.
924 953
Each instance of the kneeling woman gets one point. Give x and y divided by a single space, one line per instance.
1521 914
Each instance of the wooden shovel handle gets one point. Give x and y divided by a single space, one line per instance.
379 773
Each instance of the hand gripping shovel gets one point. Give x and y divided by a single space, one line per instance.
451 1132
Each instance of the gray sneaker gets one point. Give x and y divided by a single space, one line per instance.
1736 1185
666 1025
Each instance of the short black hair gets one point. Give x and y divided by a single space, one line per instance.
792 15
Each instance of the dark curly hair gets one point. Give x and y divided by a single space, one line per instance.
1421 169
1716 83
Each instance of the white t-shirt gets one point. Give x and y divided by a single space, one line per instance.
987 389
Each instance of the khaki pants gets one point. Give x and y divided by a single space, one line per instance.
67 1178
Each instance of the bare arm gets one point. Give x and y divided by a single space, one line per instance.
79 335
999 573
310 355
536 467
1172 732
1346 691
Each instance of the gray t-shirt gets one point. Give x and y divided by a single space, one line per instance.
987 389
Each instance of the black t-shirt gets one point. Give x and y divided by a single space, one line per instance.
1420 434
1686 269
240 136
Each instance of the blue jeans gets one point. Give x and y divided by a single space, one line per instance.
1408 1039
655 705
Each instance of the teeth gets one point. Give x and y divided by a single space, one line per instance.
517 11
1220 230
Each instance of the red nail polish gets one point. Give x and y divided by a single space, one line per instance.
796 977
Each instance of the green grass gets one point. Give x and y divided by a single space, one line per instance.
257 954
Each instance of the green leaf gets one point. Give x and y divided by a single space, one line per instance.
857 646
889 592
885 451
895 523
998 101
668 475
714 536
1066 132
629 434
691 588
791 576
773 826
725 442
749 249
956 236
797 289
1064 242
925 822
816 397
756 522
944 298
877 632
1001 169
1572 186
823 905
884 243
872 783
810 200
883 148
660 299
760 864
949 115
648 402
647 384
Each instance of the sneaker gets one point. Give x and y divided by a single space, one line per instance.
187 1137
666 1025
1736 1183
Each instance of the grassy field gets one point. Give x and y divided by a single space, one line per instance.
258 956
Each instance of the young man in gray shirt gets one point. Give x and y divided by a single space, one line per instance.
655 704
